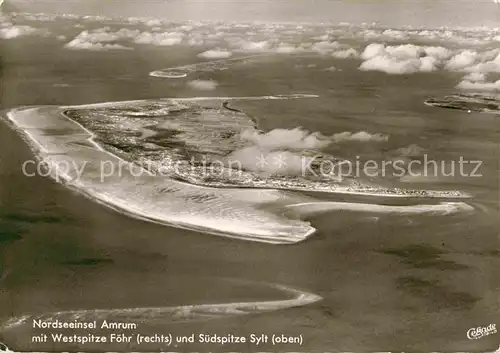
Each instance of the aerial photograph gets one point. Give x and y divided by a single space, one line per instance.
250 176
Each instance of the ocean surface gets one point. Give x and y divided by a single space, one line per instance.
380 273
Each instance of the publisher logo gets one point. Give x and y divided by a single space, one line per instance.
476 333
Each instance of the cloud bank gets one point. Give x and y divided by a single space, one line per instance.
409 58
402 59
215 54
479 85
203 85
9 30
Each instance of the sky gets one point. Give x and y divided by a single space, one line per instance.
428 13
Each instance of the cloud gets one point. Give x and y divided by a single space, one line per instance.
409 58
284 48
410 151
462 60
294 139
402 59
159 39
11 31
216 54
42 17
289 151
79 44
475 77
196 40
485 66
390 34
473 61
390 66
479 86
345 54
153 22
301 139
373 50
254 46
395 34
439 53
203 85
279 43
99 39
279 151
476 81
325 47
93 40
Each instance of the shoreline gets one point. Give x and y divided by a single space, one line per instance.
279 238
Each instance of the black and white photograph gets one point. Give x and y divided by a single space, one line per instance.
250 176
